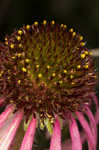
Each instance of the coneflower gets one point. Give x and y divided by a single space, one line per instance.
47 77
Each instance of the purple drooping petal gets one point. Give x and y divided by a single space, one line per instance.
87 130
56 136
29 136
11 131
92 124
5 114
75 135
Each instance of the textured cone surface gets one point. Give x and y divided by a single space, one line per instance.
46 70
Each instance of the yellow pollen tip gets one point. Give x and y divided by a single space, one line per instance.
6 39
74 33
86 52
48 115
29 72
65 71
39 75
48 67
82 44
79 66
27 60
24 69
71 76
83 55
71 30
86 66
20 45
60 81
12 46
37 66
11 101
90 53
18 38
13 57
61 25
73 83
8 78
20 32
1 73
44 22
19 54
95 76
6 42
52 22
19 81
81 38
65 26
52 121
27 27
53 74
36 23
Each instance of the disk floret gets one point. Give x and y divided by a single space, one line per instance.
45 69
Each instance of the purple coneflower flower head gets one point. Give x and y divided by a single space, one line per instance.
47 79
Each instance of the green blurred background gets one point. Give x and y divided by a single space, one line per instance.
83 16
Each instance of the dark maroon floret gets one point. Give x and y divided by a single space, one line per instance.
45 69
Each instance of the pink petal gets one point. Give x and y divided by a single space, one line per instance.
92 124
6 140
5 114
56 137
29 136
94 99
1 101
67 145
97 116
87 129
75 136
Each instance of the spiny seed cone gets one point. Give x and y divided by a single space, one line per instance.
46 70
